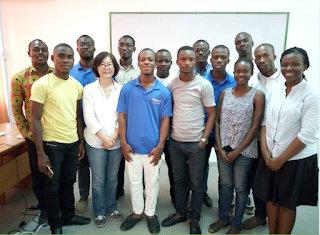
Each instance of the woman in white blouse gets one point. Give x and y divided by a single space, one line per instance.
287 176
100 101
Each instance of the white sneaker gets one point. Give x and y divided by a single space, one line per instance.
100 221
116 215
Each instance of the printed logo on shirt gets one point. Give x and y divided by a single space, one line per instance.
155 101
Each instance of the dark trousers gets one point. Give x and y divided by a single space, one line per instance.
170 174
260 205
37 176
59 189
121 175
209 147
84 177
187 158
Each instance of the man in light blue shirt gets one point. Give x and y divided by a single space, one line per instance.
202 50
84 74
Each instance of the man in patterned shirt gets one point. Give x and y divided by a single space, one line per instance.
20 99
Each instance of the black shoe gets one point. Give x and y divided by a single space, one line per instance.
35 207
77 220
119 194
129 222
207 200
194 227
56 231
153 225
43 218
173 219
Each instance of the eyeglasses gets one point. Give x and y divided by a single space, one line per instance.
82 45
245 72
103 66
203 50
128 46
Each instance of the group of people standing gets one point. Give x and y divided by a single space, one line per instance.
262 123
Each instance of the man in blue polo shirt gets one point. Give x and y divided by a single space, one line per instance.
83 73
144 107
220 80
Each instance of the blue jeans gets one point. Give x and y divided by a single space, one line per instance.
233 176
59 189
104 169
187 158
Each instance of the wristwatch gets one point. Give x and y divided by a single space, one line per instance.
204 140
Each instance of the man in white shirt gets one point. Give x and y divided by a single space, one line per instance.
164 62
127 72
267 78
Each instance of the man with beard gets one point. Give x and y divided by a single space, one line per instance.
243 43
20 95
127 72
84 74
202 66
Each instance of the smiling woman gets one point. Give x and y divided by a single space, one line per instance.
240 112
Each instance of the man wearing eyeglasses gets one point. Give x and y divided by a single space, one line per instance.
84 74
127 72
202 50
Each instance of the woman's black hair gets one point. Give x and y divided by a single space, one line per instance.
246 61
300 51
99 58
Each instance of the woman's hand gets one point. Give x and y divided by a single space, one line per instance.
274 164
107 142
233 155
223 155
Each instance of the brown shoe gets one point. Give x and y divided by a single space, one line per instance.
215 227
254 222
234 230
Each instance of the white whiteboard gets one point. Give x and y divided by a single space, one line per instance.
173 30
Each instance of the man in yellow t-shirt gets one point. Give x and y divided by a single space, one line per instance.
58 136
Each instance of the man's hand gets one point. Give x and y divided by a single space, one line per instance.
126 150
202 144
156 153
43 161
81 151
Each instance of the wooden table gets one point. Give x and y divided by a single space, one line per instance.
14 159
